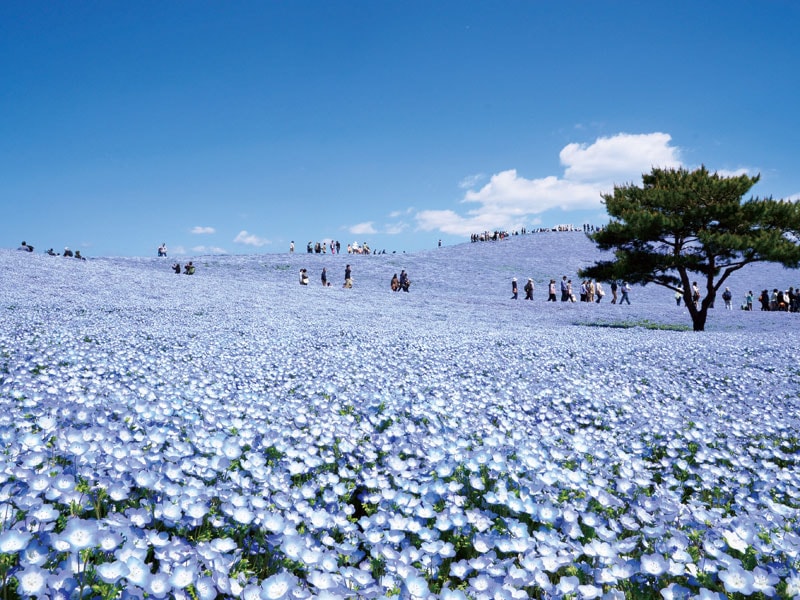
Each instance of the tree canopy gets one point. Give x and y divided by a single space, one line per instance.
680 222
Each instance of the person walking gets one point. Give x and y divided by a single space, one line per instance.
599 292
348 277
551 291
514 288
565 291
695 294
625 289
614 287
529 289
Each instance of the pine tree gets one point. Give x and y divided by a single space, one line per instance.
680 222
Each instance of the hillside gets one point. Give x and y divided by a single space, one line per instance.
474 277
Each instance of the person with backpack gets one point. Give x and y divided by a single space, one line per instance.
404 281
529 289
727 296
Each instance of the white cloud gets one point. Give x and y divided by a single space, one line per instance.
198 230
209 250
250 239
366 228
621 158
509 201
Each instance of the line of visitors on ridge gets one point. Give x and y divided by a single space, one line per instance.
25 247
498 234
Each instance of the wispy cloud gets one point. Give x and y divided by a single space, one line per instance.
509 201
250 239
396 214
737 172
366 228
199 230
209 250
470 181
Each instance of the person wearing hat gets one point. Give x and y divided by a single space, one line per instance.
529 289
514 288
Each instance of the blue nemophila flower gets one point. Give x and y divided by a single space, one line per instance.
183 575
416 586
205 588
32 581
568 584
737 580
112 572
482 584
80 534
277 586
138 572
653 564
675 591
589 592
13 541
448 594
764 582
108 540
159 585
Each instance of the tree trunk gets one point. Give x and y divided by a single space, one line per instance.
699 319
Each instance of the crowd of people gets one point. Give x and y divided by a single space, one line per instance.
335 247
590 291
780 300
497 235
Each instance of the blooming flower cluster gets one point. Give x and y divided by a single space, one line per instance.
232 435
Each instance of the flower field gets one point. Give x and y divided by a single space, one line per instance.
233 434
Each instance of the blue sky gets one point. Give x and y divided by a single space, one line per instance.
237 127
